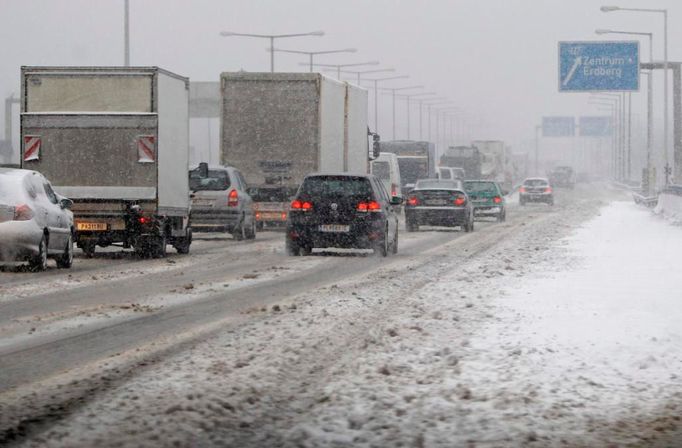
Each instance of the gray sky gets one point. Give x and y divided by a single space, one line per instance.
496 59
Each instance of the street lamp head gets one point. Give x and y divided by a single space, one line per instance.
227 33
609 8
602 31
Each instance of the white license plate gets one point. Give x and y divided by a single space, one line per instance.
203 202
91 226
436 202
480 200
336 228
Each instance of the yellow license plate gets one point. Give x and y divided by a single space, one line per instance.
96 226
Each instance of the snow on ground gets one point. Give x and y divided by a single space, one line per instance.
542 341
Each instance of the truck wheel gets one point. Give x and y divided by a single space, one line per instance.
88 248
158 246
39 261
292 248
182 244
65 260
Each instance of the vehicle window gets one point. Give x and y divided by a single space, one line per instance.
242 181
535 182
339 186
50 193
382 170
412 168
271 194
445 174
434 183
483 187
383 192
217 180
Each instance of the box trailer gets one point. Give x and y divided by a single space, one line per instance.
417 160
115 140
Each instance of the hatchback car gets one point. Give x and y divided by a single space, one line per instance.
271 204
438 203
351 211
536 189
487 198
35 222
220 202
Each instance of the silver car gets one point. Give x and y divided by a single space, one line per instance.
35 222
220 202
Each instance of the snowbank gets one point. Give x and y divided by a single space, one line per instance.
670 206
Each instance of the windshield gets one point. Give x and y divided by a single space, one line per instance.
429 183
337 186
536 182
270 194
482 187
412 169
217 180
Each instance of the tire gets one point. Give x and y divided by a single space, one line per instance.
88 248
394 246
65 261
306 250
39 261
239 233
551 202
292 248
158 247
381 247
250 233
260 225
411 226
182 244
502 217
522 202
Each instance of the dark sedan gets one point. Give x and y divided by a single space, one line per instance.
438 203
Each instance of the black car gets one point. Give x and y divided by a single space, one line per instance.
438 203
342 211
536 189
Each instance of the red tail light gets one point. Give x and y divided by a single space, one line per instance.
522 190
548 190
371 206
233 198
413 201
301 205
460 200
23 212
144 220
497 199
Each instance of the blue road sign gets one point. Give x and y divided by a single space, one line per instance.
598 66
595 126
558 127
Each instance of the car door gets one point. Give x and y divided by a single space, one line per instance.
245 201
391 214
57 220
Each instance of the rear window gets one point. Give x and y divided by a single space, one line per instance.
535 182
488 187
445 174
217 180
278 194
427 183
337 186
382 170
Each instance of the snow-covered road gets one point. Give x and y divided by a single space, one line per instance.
565 334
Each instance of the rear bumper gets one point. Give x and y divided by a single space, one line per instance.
488 210
536 197
437 216
215 221
19 240
361 235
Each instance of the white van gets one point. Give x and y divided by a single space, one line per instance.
450 173
385 167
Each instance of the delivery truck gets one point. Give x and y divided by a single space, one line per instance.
467 157
115 140
416 159
278 127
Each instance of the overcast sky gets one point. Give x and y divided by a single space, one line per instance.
495 59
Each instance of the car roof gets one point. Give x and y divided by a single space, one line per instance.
16 172
340 174
488 181
536 178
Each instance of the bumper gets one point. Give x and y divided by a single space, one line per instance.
487 210
436 216
536 197
19 240
360 235
215 220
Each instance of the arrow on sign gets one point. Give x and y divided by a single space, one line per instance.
571 72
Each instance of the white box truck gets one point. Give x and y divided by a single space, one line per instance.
115 140
278 127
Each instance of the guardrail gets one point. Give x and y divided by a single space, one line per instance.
673 189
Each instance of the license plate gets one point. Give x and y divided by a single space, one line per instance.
337 228
96 226
271 216
203 202
436 202
478 201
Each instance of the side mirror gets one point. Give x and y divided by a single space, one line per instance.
65 203
203 169
396 200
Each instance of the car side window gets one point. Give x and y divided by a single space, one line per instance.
382 191
242 180
50 193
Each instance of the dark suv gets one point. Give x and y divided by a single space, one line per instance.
343 211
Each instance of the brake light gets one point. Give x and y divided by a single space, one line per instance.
233 198
460 200
301 205
284 216
23 212
522 190
371 206
497 199
548 190
412 200
307 205
143 220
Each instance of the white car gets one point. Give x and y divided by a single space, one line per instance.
35 222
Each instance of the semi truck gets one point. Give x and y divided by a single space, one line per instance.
467 157
278 127
416 159
115 141
493 159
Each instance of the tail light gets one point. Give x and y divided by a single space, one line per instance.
144 220
522 190
413 201
497 199
233 198
23 212
548 190
258 215
394 190
284 216
460 200
301 205
371 206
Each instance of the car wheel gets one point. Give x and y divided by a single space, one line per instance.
251 231
551 202
158 248
502 216
394 246
239 232
292 248
260 225
411 226
39 261
381 247
306 250
65 261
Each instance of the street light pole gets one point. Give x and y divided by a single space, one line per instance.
393 90
339 66
376 97
126 32
312 53
272 38
360 73
408 97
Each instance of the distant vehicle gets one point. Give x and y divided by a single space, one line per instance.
343 211
536 189
417 160
467 157
438 203
35 222
562 176
487 198
448 172
271 204
386 169
220 202
116 141
423 183
493 160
